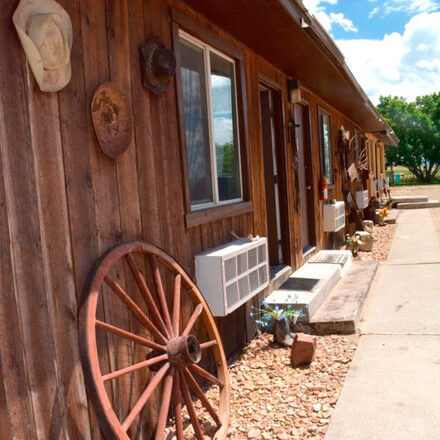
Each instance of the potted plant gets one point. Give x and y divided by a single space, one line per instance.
277 320
353 243
382 214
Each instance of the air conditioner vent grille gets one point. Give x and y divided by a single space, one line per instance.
230 275
333 216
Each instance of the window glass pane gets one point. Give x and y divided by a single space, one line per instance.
225 128
357 145
326 147
196 123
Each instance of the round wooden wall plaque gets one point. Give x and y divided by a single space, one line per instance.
112 119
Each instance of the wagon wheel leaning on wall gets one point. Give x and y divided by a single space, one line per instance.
169 366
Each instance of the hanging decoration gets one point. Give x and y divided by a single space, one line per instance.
158 65
112 119
45 32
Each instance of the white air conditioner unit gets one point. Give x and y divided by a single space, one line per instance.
231 274
362 199
333 216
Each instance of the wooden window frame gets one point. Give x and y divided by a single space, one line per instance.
370 159
321 111
376 153
281 146
200 216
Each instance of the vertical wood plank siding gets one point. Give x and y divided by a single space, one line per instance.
63 203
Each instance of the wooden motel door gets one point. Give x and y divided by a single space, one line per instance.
275 178
305 177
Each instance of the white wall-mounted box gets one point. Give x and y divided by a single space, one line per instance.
362 199
333 216
230 275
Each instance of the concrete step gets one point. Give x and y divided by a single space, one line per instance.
307 288
392 218
342 258
419 205
340 312
409 199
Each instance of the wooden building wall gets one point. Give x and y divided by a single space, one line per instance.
63 203
338 120
377 163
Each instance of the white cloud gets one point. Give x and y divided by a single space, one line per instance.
406 64
324 19
410 6
315 6
342 21
318 9
422 47
429 65
373 12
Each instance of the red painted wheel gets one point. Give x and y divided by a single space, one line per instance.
168 367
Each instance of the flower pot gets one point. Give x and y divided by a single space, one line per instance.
282 333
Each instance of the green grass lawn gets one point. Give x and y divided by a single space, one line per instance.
408 178
401 170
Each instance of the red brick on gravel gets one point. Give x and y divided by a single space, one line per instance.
303 349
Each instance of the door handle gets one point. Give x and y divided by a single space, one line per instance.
309 187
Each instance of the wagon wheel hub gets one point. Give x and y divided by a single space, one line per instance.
184 351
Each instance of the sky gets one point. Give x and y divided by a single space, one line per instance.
391 46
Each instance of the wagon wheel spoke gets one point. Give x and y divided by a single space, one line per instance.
190 407
192 320
160 292
203 373
208 344
145 396
130 336
135 309
201 395
176 304
134 367
140 280
177 405
165 405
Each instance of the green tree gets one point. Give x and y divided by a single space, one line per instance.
225 159
417 124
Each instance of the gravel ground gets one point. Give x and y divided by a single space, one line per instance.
383 236
272 400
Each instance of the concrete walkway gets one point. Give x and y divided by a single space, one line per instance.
392 390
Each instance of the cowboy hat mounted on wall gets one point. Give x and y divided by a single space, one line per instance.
45 32
158 65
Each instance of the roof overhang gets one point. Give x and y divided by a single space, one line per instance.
286 35
387 136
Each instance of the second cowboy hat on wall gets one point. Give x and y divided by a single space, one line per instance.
45 32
